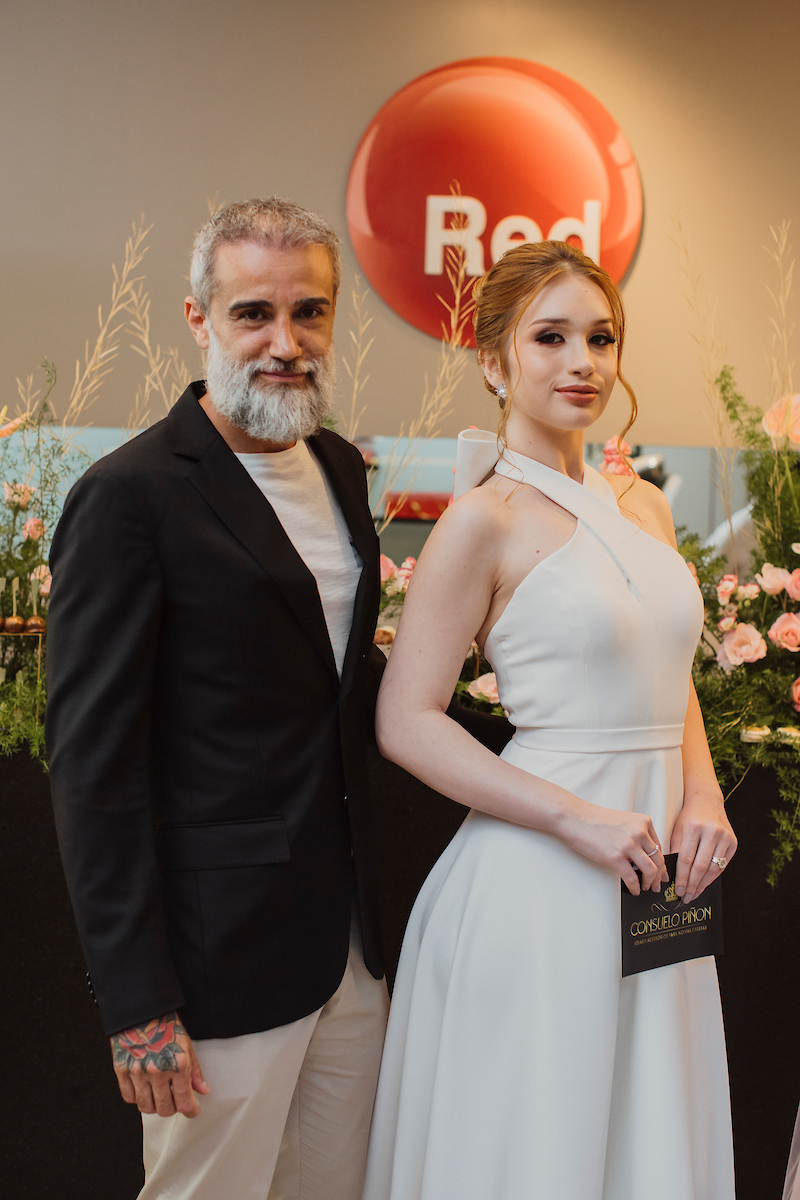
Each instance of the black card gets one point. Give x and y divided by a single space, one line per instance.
659 929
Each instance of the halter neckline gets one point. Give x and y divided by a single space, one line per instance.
592 502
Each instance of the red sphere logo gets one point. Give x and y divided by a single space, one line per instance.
534 156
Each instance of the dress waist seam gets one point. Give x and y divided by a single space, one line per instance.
601 741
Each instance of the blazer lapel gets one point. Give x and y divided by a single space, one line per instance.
240 504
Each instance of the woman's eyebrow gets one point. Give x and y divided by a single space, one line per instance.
566 321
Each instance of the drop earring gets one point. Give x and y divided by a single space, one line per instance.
501 391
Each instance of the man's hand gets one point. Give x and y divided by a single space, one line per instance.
156 1068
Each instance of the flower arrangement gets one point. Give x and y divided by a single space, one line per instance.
747 669
394 583
38 461
36 464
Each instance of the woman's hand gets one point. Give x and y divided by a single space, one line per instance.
624 841
701 833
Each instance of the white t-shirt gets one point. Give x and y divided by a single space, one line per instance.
307 508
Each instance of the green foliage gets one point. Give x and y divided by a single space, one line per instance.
22 705
709 567
755 696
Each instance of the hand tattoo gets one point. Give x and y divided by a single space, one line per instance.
151 1043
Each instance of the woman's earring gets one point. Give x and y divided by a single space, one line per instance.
501 391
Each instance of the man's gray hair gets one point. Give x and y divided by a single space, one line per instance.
272 222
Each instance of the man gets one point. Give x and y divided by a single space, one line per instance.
215 592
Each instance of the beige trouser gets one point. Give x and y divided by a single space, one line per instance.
289 1110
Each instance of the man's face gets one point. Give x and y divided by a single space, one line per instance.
272 304
268 333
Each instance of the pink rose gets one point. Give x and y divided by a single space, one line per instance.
773 579
616 466
725 586
785 633
726 624
404 572
614 447
796 695
613 462
42 573
796 547
485 688
17 495
741 645
782 420
747 591
793 585
388 568
33 529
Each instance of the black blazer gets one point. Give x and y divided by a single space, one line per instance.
208 767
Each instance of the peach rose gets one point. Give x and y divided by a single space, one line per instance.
12 426
747 591
725 587
796 695
42 573
33 529
17 495
741 645
616 466
616 446
388 568
485 688
781 422
785 633
796 547
613 462
693 570
773 579
793 585
405 571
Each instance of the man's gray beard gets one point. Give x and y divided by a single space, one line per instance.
270 412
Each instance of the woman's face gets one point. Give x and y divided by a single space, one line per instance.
562 364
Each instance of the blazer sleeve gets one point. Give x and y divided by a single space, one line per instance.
103 631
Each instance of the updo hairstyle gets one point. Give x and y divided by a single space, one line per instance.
505 291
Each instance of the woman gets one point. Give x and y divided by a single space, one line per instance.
518 1064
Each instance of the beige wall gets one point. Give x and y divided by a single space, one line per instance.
111 109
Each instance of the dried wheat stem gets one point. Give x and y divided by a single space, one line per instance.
361 347
98 360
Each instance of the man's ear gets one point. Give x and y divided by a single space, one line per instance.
197 322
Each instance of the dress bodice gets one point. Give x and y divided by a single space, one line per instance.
594 649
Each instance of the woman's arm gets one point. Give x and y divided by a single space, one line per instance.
447 602
702 829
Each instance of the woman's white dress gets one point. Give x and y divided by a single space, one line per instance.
519 1065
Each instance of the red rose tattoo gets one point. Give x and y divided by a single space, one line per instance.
153 1043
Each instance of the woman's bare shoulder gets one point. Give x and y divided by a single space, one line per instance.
479 516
